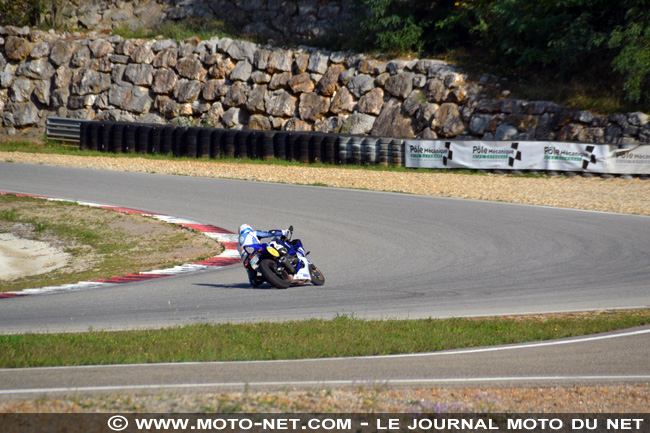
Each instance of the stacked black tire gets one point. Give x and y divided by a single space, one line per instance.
214 143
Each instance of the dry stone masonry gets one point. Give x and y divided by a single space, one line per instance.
236 84
279 20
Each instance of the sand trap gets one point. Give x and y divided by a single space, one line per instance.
23 257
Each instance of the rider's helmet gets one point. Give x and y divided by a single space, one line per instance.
245 228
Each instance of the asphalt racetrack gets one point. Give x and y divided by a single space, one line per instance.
384 255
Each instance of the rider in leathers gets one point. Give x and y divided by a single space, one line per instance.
248 236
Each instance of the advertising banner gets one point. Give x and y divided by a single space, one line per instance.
584 157
495 155
635 160
523 155
427 153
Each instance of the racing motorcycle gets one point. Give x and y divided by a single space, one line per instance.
281 262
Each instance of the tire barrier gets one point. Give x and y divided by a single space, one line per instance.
344 152
167 140
369 149
178 141
606 160
303 148
117 138
267 145
354 150
384 151
105 136
93 131
329 149
216 143
130 134
316 142
204 143
229 143
241 144
280 144
155 147
397 152
293 146
143 141
83 135
191 142
255 150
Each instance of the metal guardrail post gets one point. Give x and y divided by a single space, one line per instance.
62 129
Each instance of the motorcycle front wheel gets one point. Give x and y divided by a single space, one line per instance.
280 279
317 277
254 279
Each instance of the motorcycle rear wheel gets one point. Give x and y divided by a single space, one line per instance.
317 277
280 279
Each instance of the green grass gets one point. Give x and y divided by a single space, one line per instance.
9 215
44 146
341 336
204 29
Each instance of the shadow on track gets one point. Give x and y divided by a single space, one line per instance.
244 286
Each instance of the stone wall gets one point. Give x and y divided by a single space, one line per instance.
237 84
260 19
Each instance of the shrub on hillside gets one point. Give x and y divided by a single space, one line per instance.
21 12
32 13
564 36
632 40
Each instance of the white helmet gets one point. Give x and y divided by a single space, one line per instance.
245 228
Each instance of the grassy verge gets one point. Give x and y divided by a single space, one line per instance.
341 336
101 243
42 146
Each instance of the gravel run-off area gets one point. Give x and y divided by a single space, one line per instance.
594 193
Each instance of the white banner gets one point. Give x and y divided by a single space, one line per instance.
635 160
426 153
560 156
494 155
526 155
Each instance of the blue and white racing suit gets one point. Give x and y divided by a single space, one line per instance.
248 236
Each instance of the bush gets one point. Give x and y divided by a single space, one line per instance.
392 26
22 12
566 37
632 40
561 34
32 13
